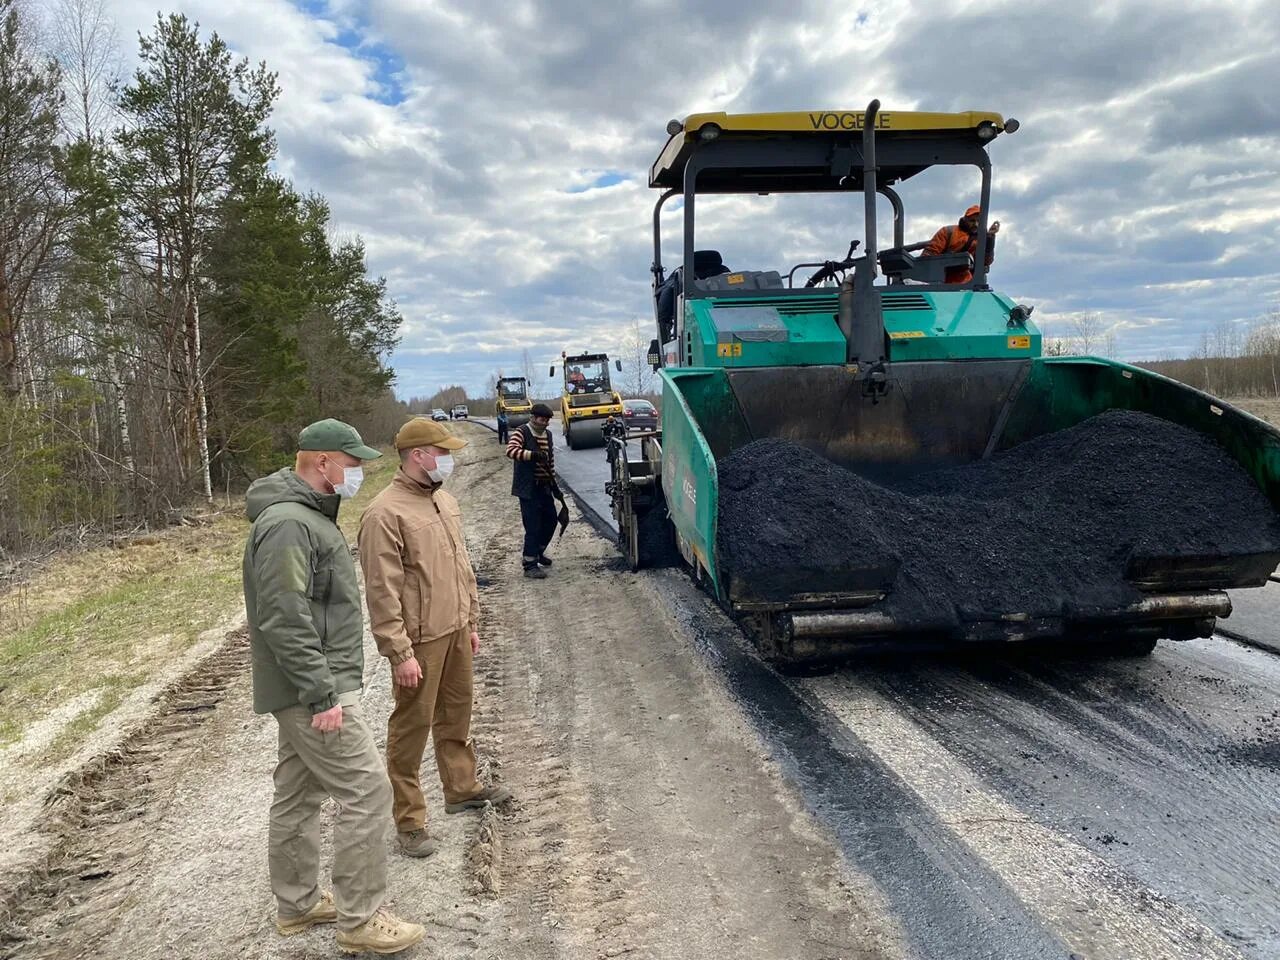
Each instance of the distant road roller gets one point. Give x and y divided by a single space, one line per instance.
588 398
513 400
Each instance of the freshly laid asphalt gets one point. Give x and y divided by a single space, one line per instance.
1012 805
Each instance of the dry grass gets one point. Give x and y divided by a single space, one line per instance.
105 619
1267 409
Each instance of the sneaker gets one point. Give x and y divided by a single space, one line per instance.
535 572
384 932
544 560
415 843
495 795
322 911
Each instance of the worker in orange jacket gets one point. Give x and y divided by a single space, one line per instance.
962 238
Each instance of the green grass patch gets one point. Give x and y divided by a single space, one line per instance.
115 639
127 615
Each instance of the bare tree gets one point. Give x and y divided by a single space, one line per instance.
1109 342
1087 331
1051 345
1232 359
87 48
637 377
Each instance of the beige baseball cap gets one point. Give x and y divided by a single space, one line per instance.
425 432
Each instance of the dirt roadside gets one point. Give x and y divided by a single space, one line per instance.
649 822
93 645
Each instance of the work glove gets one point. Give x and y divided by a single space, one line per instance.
540 456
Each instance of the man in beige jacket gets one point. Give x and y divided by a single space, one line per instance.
424 609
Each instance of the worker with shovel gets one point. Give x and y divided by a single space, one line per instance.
534 481
424 611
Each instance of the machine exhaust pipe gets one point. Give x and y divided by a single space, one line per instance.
860 318
869 181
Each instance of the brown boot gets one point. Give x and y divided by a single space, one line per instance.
384 932
415 843
322 911
495 795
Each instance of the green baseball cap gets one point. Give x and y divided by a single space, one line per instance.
335 435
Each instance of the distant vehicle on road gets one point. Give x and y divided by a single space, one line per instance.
438 414
513 400
588 399
639 415
460 412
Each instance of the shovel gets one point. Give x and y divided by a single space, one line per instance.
563 516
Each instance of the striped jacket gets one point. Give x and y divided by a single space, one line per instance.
530 474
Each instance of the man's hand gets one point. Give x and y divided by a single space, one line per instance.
327 721
407 674
993 229
475 643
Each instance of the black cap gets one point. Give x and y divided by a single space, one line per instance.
541 410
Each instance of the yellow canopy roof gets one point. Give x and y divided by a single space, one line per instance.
832 121
773 146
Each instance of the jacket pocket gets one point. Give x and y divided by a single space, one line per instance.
321 580
411 606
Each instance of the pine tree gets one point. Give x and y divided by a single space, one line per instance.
31 193
196 123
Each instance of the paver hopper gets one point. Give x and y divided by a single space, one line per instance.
931 418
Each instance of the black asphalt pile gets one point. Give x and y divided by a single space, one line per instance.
1045 528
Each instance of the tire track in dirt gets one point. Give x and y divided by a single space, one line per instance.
561 865
647 822
98 814
546 858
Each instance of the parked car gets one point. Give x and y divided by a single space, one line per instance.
639 415
438 414
460 412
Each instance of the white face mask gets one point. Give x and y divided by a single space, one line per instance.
444 467
352 477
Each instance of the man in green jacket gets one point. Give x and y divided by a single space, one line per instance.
306 634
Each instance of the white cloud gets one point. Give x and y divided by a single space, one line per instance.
1142 186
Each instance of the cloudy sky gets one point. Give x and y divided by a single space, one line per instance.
493 153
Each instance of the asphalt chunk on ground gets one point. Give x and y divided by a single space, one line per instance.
1046 528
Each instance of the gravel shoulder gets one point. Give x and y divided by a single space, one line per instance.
649 820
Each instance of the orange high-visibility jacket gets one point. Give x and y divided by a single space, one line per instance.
954 240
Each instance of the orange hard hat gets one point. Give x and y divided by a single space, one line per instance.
973 211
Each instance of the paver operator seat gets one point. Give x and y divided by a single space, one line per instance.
706 264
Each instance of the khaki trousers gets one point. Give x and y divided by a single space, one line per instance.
344 765
439 707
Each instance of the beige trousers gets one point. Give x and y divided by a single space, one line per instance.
438 707
344 765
